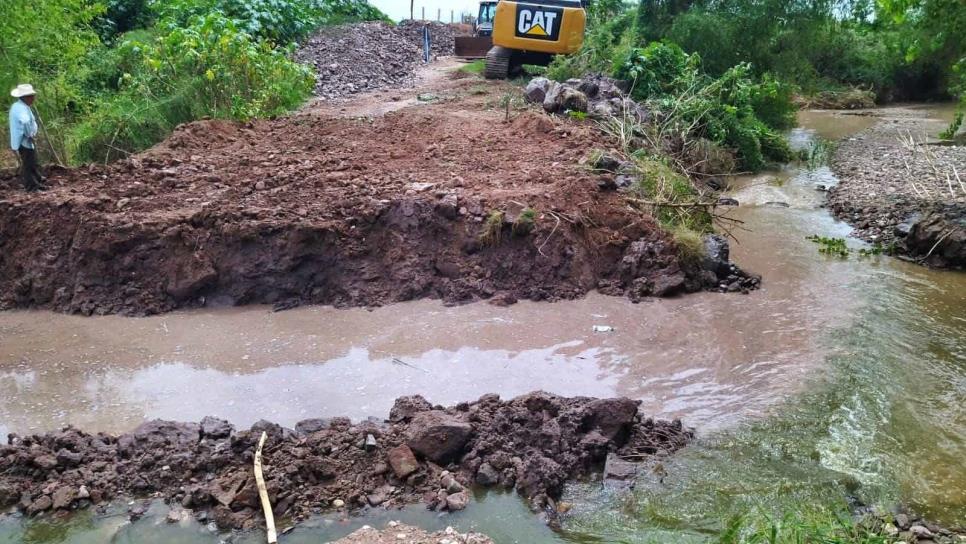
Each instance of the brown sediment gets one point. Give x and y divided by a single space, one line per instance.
534 443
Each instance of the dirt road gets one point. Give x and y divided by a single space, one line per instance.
355 202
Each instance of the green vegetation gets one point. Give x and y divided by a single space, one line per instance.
525 222
475 67
836 247
841 50
116 76
819 153
825 525
492 232
690 245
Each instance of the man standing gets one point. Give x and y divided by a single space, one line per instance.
23 130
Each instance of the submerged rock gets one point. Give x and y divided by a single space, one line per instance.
939 238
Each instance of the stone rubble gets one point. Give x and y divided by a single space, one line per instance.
534 444
354 58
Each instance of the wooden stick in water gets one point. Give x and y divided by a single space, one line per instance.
263 492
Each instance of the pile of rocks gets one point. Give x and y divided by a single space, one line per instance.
901 526
599 96
533 443
397 533
442 36
350 59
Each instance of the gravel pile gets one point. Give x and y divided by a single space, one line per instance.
901 195
350 59
397 533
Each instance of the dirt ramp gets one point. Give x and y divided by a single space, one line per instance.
428 202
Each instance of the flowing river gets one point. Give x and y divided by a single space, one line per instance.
841 379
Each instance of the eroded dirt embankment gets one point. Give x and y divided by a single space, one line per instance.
343 211
534 443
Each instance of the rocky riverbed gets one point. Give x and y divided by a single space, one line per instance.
534 444
397 533
900 189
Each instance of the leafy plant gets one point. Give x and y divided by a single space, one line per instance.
524 222
830 246
577 115
209 68
953 127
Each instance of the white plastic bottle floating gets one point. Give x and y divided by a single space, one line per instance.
603 328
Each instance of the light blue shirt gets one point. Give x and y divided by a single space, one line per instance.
23 126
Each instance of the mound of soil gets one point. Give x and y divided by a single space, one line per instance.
424 202
533 443
350 59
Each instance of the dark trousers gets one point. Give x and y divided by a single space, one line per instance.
29 173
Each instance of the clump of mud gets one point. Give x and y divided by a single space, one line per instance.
533 443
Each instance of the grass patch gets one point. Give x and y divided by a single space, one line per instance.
818 154
525 222
690 245
670 192
818 525
475 67
492 229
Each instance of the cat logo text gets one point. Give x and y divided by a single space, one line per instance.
538 23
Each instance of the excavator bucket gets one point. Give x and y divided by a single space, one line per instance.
473 47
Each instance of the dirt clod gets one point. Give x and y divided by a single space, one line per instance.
534 443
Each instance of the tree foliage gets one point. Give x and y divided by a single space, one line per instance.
116 76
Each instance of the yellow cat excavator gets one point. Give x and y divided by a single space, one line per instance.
532 33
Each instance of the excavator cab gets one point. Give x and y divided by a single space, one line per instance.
484 21
532 33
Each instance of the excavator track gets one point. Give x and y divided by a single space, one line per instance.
498 63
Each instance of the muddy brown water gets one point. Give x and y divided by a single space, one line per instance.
886 341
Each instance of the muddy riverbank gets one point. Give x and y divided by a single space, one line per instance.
533 444
900 190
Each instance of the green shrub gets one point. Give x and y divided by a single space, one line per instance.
771 100
208 69
659 69
280 21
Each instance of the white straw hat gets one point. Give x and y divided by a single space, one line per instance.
24 89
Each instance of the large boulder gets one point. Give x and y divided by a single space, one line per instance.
159 433
402 461
313 425
212 427
716 255
563 98
612 418
939 238
438 436
406 407
537 89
